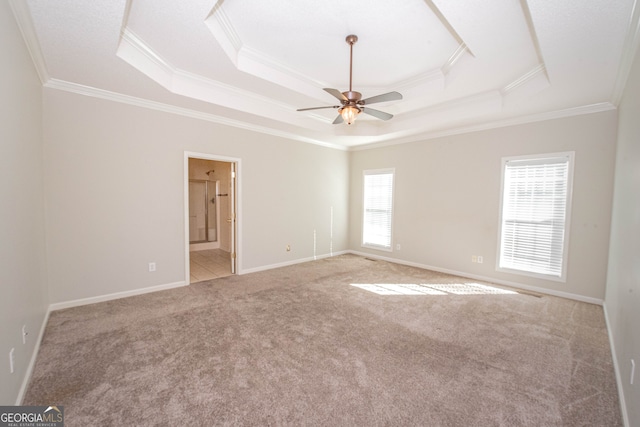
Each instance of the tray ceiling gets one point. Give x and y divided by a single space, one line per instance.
251 64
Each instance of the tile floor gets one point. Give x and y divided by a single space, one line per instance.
209 264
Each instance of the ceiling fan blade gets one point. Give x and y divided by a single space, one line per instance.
377 113
336 93
338 120
391 96
317 108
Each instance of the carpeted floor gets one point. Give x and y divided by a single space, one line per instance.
303 346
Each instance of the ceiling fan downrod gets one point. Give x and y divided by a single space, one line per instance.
350 108
351 39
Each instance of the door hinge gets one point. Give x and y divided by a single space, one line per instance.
233 255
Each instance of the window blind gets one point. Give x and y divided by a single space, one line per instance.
378 209
534 215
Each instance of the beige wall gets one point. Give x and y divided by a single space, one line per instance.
447 196
22 232
115 195
622 300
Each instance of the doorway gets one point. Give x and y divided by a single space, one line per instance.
210 217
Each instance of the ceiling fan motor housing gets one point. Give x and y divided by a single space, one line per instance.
352 97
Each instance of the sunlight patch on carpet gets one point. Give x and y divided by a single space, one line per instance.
432 289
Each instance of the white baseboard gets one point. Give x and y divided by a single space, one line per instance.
32 361
537 289
117 295
616 368
76 303
287 263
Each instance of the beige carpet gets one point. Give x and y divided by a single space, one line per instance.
301 346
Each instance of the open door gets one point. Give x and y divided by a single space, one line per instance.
232 219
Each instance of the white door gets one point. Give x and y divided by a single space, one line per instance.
232 219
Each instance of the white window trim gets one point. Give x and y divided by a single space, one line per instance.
567 229
393 184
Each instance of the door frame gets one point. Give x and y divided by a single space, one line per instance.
237 224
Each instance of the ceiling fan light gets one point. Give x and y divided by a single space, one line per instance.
349 113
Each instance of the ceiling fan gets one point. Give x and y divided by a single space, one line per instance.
351 103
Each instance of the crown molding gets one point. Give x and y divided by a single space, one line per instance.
531 118
533 34
255 62
223 31
524 79
22 14
186 112
141 56
261 59
629 51
455 57
259 64
144 56
446 24
170 74
158 106
431 79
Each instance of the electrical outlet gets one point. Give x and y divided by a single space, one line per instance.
152 266
24 334
480 260
474 258
11 360
398 247
288 248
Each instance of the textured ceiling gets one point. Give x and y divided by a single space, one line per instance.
251 63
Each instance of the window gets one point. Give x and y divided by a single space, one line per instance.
536 197
378 209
